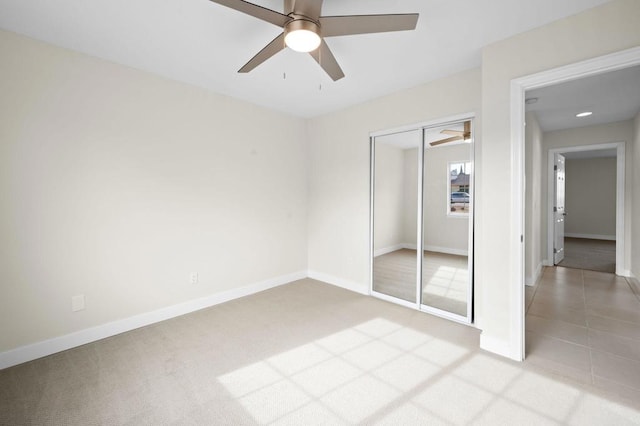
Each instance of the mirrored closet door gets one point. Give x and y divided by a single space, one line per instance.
422 218
446 212
396 161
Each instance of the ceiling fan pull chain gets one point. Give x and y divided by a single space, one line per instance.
320 63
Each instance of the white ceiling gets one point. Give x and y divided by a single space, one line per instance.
203 43
612 97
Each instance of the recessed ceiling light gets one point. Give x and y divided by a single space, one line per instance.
584 114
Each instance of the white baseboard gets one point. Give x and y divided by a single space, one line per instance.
497 346
88 335
339 282
533 280
546 262
387 250
591 236
634 283
446 250
436 249
624 273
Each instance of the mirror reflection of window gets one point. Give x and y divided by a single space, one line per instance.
459 187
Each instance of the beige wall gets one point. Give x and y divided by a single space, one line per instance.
635 226
410 197
533 212
598 31
116 184
389 197
592 135
590 201
396 200
339 169
443 232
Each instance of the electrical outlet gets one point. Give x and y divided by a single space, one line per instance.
77 303
193 278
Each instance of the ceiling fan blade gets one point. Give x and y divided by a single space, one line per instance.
276 45
467 129
309 8
447 140
452 132
332 26
276 18
327 61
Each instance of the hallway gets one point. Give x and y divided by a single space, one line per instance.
585 325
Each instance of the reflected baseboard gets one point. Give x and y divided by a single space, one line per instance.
446 250
436 249
391 249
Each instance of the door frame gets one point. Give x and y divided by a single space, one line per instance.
620 201
614 61
554 203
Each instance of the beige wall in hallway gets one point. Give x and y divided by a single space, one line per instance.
533 181
635 235
591 197
590 200
117 184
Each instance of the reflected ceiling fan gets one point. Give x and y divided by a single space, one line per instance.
457 135
305 29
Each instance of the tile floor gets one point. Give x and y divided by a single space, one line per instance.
585 325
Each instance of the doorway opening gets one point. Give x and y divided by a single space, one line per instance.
591 206
520 229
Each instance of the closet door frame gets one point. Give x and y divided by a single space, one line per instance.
468 318
423 127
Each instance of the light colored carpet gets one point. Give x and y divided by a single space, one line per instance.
300 354
445 278
593 255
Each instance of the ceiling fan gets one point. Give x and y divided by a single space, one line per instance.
305 29
457 135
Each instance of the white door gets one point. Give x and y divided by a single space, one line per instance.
558 209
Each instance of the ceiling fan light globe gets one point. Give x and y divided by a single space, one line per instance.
302 40
302 35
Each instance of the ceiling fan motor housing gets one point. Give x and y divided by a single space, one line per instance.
302 35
